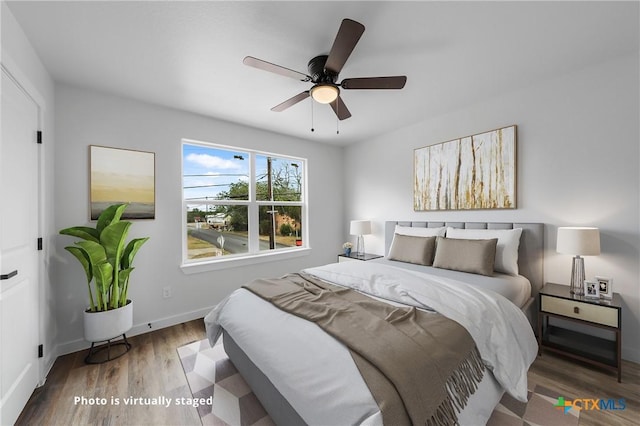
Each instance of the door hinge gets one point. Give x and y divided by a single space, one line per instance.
40 351
39 137
40 243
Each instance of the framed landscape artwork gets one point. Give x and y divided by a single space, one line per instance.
473 172
122 176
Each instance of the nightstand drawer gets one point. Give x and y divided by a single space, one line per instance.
579 310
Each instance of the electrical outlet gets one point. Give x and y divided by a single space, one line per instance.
167 292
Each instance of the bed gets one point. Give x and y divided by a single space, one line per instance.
302 375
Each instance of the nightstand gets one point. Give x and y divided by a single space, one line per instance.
366 256
603 314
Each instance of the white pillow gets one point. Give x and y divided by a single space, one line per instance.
506 249
420 231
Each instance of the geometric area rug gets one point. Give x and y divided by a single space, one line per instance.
228 400
540 410
210 373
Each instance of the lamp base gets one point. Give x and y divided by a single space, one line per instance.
360 246
577 277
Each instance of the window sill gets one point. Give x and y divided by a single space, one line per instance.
235 262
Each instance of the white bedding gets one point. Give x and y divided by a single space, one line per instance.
319 378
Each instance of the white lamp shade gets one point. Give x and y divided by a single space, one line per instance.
360 227
581 241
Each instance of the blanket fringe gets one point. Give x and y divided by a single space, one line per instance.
462 383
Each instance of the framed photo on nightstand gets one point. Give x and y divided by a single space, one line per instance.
605 287
591 289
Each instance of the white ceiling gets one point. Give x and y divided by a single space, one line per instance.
188 55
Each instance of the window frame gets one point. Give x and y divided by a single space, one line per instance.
254 254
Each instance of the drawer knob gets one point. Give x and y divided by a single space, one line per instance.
576 310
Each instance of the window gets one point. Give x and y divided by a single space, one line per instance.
241 203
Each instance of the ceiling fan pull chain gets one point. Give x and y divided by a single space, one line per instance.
337 119
312 129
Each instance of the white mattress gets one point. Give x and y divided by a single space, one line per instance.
515 288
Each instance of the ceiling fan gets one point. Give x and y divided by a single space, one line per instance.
324 71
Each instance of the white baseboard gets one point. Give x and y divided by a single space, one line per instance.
47 365
80 344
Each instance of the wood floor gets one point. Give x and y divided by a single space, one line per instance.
152 369
575 380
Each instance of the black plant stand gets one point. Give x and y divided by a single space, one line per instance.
95 350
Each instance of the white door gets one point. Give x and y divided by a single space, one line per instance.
19 213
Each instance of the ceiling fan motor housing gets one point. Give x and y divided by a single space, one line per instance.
317 71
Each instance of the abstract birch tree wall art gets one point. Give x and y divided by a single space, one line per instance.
473 172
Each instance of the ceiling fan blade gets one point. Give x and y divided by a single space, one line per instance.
268 66
340 109
348 35
395 82
291 101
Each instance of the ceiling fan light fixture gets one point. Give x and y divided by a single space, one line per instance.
324 93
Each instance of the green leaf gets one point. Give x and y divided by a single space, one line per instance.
124 284
83 232
83 258
124 275
97 258
111 214
131 250
115 294
94 251
104 277
112 239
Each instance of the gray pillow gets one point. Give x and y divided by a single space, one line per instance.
410 249
474 256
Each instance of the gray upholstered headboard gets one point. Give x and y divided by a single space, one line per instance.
530 254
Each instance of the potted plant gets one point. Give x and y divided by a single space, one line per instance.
108 263
347 248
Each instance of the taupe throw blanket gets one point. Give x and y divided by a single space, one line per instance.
420 367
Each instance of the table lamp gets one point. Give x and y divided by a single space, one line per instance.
360 228
578 241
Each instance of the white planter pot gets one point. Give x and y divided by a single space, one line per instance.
102 326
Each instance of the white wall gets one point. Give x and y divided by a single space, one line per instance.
86 118
21 61
578 161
